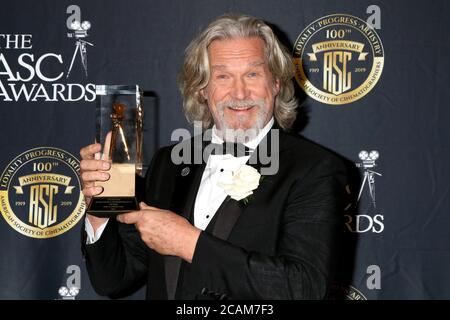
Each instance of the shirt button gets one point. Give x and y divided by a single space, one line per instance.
207 216
221 170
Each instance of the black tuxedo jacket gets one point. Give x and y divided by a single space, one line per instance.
282 244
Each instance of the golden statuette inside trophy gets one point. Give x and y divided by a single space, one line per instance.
119 117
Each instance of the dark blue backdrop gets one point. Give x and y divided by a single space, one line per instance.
406 253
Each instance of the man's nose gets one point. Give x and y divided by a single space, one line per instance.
240 89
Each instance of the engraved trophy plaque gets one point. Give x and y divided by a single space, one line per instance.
119 115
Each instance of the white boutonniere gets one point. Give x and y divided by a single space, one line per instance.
240 184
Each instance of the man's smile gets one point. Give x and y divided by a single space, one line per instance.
243 109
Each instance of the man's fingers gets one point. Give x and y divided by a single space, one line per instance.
89 151
144 206
94 165
91 176
130 217
92 151
92 191
107 146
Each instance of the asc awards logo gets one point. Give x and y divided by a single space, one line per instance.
40 194
33 73
338 59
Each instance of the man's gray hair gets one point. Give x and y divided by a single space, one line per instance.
195 73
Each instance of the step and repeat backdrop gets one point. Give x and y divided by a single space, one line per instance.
372 78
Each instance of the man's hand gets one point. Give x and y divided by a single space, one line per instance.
93 167
164 231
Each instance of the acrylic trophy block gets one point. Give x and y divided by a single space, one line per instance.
119 117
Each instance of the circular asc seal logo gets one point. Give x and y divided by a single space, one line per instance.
339 59
40 194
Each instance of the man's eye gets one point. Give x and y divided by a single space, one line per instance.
252 74
222 76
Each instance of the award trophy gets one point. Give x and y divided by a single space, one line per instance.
119 117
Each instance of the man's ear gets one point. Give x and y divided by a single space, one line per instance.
202 95
276 87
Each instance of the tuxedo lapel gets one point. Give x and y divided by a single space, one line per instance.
225 218
230 210
185 192
187 184
228 213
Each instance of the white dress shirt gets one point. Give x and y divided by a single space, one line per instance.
209 196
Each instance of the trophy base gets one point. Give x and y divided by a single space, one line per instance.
112 206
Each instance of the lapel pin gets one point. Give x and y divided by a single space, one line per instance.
185 171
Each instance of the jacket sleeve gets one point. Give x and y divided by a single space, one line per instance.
308 240
117 262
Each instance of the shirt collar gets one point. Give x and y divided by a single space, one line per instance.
252 144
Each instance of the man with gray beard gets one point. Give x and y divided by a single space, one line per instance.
225 228
237 134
